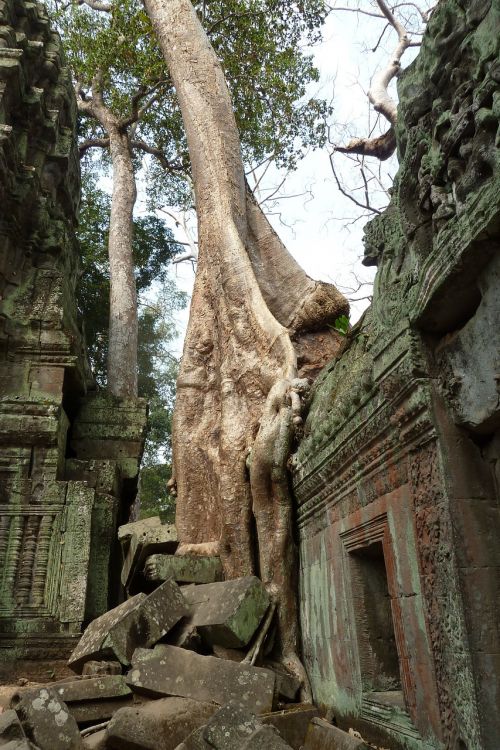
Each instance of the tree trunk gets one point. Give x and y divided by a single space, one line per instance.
122 352
256 322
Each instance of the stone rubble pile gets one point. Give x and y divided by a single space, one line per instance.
172 668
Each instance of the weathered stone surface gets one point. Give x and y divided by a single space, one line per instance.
96 668
183 569
287 686
324 736
53 579
92 688
95 741
227 613
139 621
159 725
397 478
292 723
46 720
168 670
149 540
135 528
234 728
11 730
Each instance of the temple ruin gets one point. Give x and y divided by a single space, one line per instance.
396 480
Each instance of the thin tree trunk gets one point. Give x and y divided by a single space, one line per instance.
122 353
256 322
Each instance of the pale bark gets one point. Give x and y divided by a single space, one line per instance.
256 321
123 322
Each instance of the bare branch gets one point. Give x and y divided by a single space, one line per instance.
158 154
365 206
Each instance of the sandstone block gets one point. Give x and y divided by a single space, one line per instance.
168 670
95 698
183 569
324 736
140 621
147 541
11 731
292 723
95 741
228 613
46 720
97 668
158 725
127 530
233 727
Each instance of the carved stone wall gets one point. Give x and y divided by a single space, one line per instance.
400 459
68 455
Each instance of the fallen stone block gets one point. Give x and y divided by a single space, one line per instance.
292 723
324 736
158 725
233 727
142 545
140 621
46 720
168 670
183 569
96 698
97 668
287 685
127 530
227 613
11 732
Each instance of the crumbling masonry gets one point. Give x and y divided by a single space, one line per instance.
68 456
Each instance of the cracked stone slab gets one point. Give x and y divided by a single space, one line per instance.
95 698
158 725
140 621
324 736
183 569
169 670
46 720
227 613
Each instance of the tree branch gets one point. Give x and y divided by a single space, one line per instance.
92 143
158 154
365 206
381 147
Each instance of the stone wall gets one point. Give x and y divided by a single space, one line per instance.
68 454
397 478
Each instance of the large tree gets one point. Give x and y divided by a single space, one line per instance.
128 110
258 327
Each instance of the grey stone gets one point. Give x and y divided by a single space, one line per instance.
168 670
11 729
96 668
292 723
227 613
233 727
183 569
324 736
287 685
95 699
46 720
92 688
95 741
158 725
127 530
149 541
140 621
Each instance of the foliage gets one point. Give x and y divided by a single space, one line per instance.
155 498
341 325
